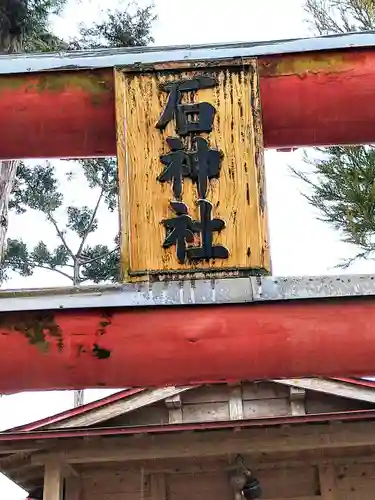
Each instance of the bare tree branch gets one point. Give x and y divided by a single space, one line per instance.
95 211
60 235
98 257
41 266
345 264
340 16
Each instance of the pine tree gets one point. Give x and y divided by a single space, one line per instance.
37 188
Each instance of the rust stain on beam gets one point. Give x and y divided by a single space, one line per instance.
302 65
86 81
62 114
42 331
39 328
318 99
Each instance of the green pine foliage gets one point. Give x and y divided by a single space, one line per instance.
119 28
38 36
341 186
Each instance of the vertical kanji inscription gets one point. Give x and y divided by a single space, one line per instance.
200 164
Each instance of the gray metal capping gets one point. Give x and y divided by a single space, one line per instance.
188 293
108 58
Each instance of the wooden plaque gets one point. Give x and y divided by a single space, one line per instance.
191 169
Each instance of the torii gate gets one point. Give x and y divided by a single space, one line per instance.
188 125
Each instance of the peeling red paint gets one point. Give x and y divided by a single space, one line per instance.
154 347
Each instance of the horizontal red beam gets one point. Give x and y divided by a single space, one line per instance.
187 345
308 99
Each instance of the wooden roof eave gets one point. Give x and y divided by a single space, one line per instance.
213 439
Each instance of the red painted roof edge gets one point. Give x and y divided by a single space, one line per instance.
356 381
122 395
356 415
75 411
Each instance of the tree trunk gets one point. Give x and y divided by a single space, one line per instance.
8 171
13 16
79 398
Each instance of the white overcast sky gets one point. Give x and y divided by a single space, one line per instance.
299 243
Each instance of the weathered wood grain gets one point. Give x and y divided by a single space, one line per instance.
238 196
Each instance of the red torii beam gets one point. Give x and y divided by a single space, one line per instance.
317 91
314 92
187 333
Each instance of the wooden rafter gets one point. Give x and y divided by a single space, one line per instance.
120 407
332 387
